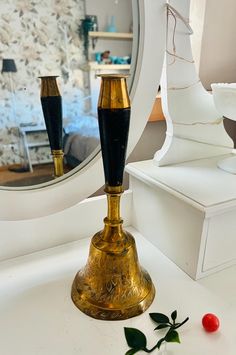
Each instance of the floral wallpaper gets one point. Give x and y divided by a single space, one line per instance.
42 38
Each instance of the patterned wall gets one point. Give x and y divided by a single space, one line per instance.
41 36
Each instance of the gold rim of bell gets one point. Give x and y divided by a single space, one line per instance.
88 307
57 152
58 162
49 86
113 92
114 189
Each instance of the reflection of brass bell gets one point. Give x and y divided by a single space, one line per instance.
112 285
52 110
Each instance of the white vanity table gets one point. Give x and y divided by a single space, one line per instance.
38 316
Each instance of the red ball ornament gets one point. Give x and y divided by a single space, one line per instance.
210 322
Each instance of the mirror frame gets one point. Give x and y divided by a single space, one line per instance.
43 201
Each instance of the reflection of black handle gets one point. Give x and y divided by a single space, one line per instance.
114 129
52 111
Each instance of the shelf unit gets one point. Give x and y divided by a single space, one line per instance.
96 66
27 133
113 35
110 36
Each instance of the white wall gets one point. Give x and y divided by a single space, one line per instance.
151 140
122 11
217 54
197 16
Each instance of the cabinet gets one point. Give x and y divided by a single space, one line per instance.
188 211
36 145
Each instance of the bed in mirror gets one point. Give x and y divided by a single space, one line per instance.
74 40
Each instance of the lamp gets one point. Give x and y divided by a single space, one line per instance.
9 67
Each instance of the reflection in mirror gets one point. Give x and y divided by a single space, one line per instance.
72 39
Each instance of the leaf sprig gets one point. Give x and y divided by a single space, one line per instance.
137 340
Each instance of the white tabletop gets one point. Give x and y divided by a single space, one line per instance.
39 318
200 181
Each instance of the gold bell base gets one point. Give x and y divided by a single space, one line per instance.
112 285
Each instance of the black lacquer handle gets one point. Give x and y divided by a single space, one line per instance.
52 111
114 130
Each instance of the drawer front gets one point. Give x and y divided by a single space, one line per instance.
220 247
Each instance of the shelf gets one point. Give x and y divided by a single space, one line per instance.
29 144
96 66
45 161
39 144
113 35
33 128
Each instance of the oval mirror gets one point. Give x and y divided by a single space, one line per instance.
75 40
148 23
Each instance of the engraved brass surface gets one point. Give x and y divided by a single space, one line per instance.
112 285
113 92
58 162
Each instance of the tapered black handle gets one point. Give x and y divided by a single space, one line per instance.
52 111
114 130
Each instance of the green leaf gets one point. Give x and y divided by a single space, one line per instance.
135 339
172 337
131 351
162 326
174 315
159 317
